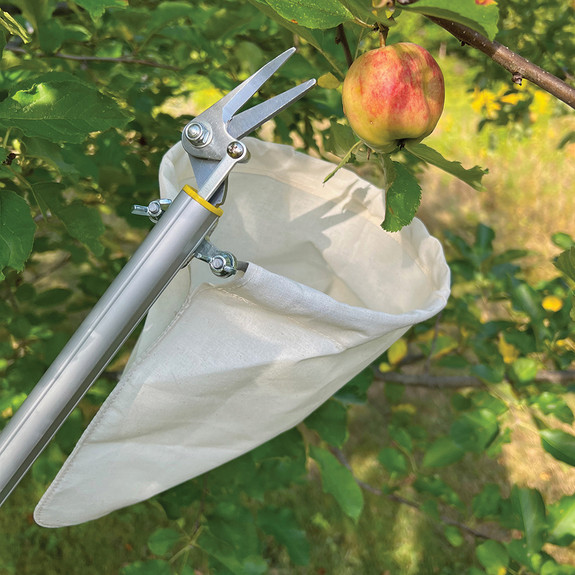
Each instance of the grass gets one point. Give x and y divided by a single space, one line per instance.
528 197
529 187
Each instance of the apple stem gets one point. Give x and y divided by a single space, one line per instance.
383 32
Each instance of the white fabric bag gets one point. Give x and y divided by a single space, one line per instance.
225 365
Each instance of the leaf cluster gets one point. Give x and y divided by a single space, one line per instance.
93 93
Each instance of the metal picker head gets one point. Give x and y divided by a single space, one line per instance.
213 135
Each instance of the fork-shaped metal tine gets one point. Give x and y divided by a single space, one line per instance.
245 122
235 99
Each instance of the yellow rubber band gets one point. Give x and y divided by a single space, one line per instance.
204 203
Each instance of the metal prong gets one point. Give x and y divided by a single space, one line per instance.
235 99
248 121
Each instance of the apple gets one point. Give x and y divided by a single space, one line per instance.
393 95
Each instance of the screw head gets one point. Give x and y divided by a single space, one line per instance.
236 150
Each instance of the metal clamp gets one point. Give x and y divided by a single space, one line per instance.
223 264
153 210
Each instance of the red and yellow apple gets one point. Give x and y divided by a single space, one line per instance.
393 95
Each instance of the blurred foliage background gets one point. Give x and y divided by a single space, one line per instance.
456 448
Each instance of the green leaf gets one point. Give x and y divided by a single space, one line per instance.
524 369
519 551
53 34
487 373
400 435
472 177
82 222
153 567
394 461
13 27
355 390
563 240
488 502
475 430
61 111
340 139
52 297
363 10
493 556
330 421
162 541
282 525
338 481
559 444
565 262
402 197
479 17
527 299
529 506
280 462
443 451
561 521
486 400
322 14
55 156
17 230
231 538
453 535
343 162
96 8
554 404
438 488
551 567
322 40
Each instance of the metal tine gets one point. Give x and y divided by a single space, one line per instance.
249 120
235 99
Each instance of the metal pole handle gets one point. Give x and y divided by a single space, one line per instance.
167 248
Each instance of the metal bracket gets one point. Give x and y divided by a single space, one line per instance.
153 210
223 264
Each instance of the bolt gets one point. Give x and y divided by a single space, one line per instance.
236 150
154 208
218 263
198 134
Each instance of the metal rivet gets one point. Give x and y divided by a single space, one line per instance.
236 150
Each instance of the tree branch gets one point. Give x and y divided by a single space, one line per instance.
341 38
80 58
458 381
518 66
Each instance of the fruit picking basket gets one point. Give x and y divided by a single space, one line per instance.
223 365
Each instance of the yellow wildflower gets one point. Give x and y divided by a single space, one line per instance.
485 101
552 303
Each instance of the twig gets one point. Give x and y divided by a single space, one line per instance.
404 501
458 381
81 58
341 38
518 66
550 376
425 380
